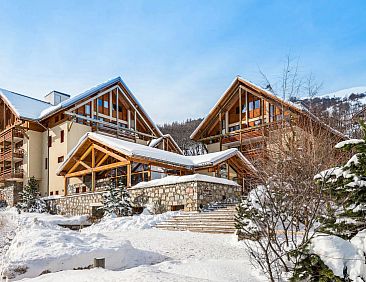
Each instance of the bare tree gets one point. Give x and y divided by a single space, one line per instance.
278 216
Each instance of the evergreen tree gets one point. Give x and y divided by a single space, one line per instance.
30 198
346 185
116 201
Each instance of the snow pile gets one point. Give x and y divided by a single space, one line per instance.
342 256
348 142
40 247
142 221
187 178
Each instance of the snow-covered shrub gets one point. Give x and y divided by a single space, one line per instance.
117 200
30 200
346 214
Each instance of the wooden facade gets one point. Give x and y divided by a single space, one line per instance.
94 163
245 115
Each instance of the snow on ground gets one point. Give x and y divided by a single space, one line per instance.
143 221
134 251
339 254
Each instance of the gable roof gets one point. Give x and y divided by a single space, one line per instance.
131 149
23 106
30 108
155 142
226 96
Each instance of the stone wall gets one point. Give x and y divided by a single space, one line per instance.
10 193
192 195
76 204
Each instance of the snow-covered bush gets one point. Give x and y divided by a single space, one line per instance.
30 200
117 200
346 215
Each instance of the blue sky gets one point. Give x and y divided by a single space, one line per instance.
177 56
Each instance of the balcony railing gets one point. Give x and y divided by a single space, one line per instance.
11 174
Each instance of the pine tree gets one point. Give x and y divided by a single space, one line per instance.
346 216
30 198
116 201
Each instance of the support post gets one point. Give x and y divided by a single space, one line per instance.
129 174
240 119
93 172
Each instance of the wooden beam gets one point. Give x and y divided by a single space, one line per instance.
99 148
102 160
129 174
110 166
78 173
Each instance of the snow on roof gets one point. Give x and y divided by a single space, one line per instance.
31 108
187 178
24 106
137 150
240 79
155 142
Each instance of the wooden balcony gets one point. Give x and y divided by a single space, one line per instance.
11 175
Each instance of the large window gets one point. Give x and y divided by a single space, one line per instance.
87 109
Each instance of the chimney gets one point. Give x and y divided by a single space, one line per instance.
55 97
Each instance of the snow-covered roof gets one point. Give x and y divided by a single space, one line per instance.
131 149
31 108
299 108
155 142
186 178
24 106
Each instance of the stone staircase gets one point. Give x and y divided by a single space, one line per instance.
218 218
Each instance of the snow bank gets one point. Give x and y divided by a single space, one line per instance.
340 255
349 142
40 247
142 221
187 178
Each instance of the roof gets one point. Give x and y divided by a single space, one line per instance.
24 106
239 80
172 179
141 151
155 142
30 108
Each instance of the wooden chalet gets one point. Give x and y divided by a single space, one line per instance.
245 115
98 159
36 136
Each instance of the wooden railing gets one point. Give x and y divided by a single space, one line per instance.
11 174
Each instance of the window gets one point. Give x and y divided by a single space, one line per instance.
51 193
60 159
244 109
87 109
62 136
114 106
100 102
57 99
106 104
49 141
251 105
258 122
120 109
46 163
257 104
57 192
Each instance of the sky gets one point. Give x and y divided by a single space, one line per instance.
177 57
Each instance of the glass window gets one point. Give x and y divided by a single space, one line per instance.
106 104
257 104
87 109
114 107
100 102
251 106
244 109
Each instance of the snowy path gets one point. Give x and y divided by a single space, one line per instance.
191 257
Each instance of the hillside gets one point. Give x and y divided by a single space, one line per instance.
181 131
337 108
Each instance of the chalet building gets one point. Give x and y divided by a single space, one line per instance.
76 145
246 114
